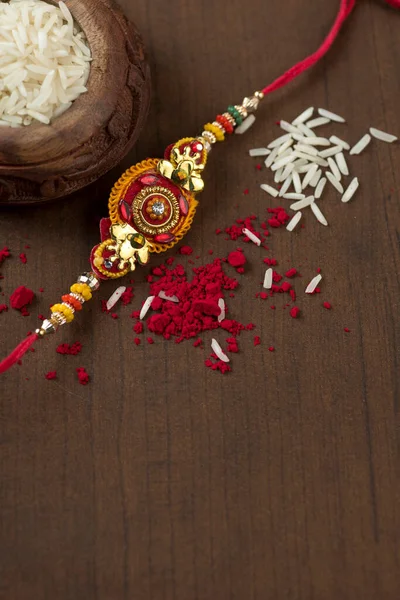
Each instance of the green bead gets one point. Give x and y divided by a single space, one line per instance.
235 114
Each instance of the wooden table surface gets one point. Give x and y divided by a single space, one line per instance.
163 480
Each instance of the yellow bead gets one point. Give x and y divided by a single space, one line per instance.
215 130
83 289
67 313
55 308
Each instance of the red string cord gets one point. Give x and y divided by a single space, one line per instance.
346 6
18 353
345 9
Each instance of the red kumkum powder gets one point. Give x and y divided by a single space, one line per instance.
83 376
21 298
51 375
197 309
72 349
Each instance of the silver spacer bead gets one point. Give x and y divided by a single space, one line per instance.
78 297
59 318
220 127
46 328
68 306
209 136
241 109
230 118
90 279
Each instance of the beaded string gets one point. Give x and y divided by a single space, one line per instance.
237 118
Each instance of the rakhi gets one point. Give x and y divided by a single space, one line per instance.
153 204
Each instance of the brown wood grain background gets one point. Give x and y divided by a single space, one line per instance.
162 480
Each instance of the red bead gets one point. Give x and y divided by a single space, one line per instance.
225 123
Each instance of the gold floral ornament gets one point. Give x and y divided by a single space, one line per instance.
186 164
129 246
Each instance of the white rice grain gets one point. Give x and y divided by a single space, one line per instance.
306 130
310 289
302 203
314 181
382 135
251 236
271 157
285 186
294 221
330 151
351 190
320 188
341 163
280 140
164 296
336 184
247 123
304 116
222 307
317 212
309 175
268 279
146 307
288 127
269 189
113 299
259 152
297 182
330 115
285 146
336 140
317 141
218 351
294 196
318 122
334 168
361 144
282 162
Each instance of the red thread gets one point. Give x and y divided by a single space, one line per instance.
346 7
18 353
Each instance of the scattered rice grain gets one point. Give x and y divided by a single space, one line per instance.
310 289
218 351
349 193
382 135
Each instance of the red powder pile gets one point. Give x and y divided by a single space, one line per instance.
185 250
72 349
295 312
127 296
3 308
5 253
280 217
21 298
83 376
197 310
51 375
215 364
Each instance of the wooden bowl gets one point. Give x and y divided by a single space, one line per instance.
43 162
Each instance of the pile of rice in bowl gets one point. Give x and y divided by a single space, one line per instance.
44 62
